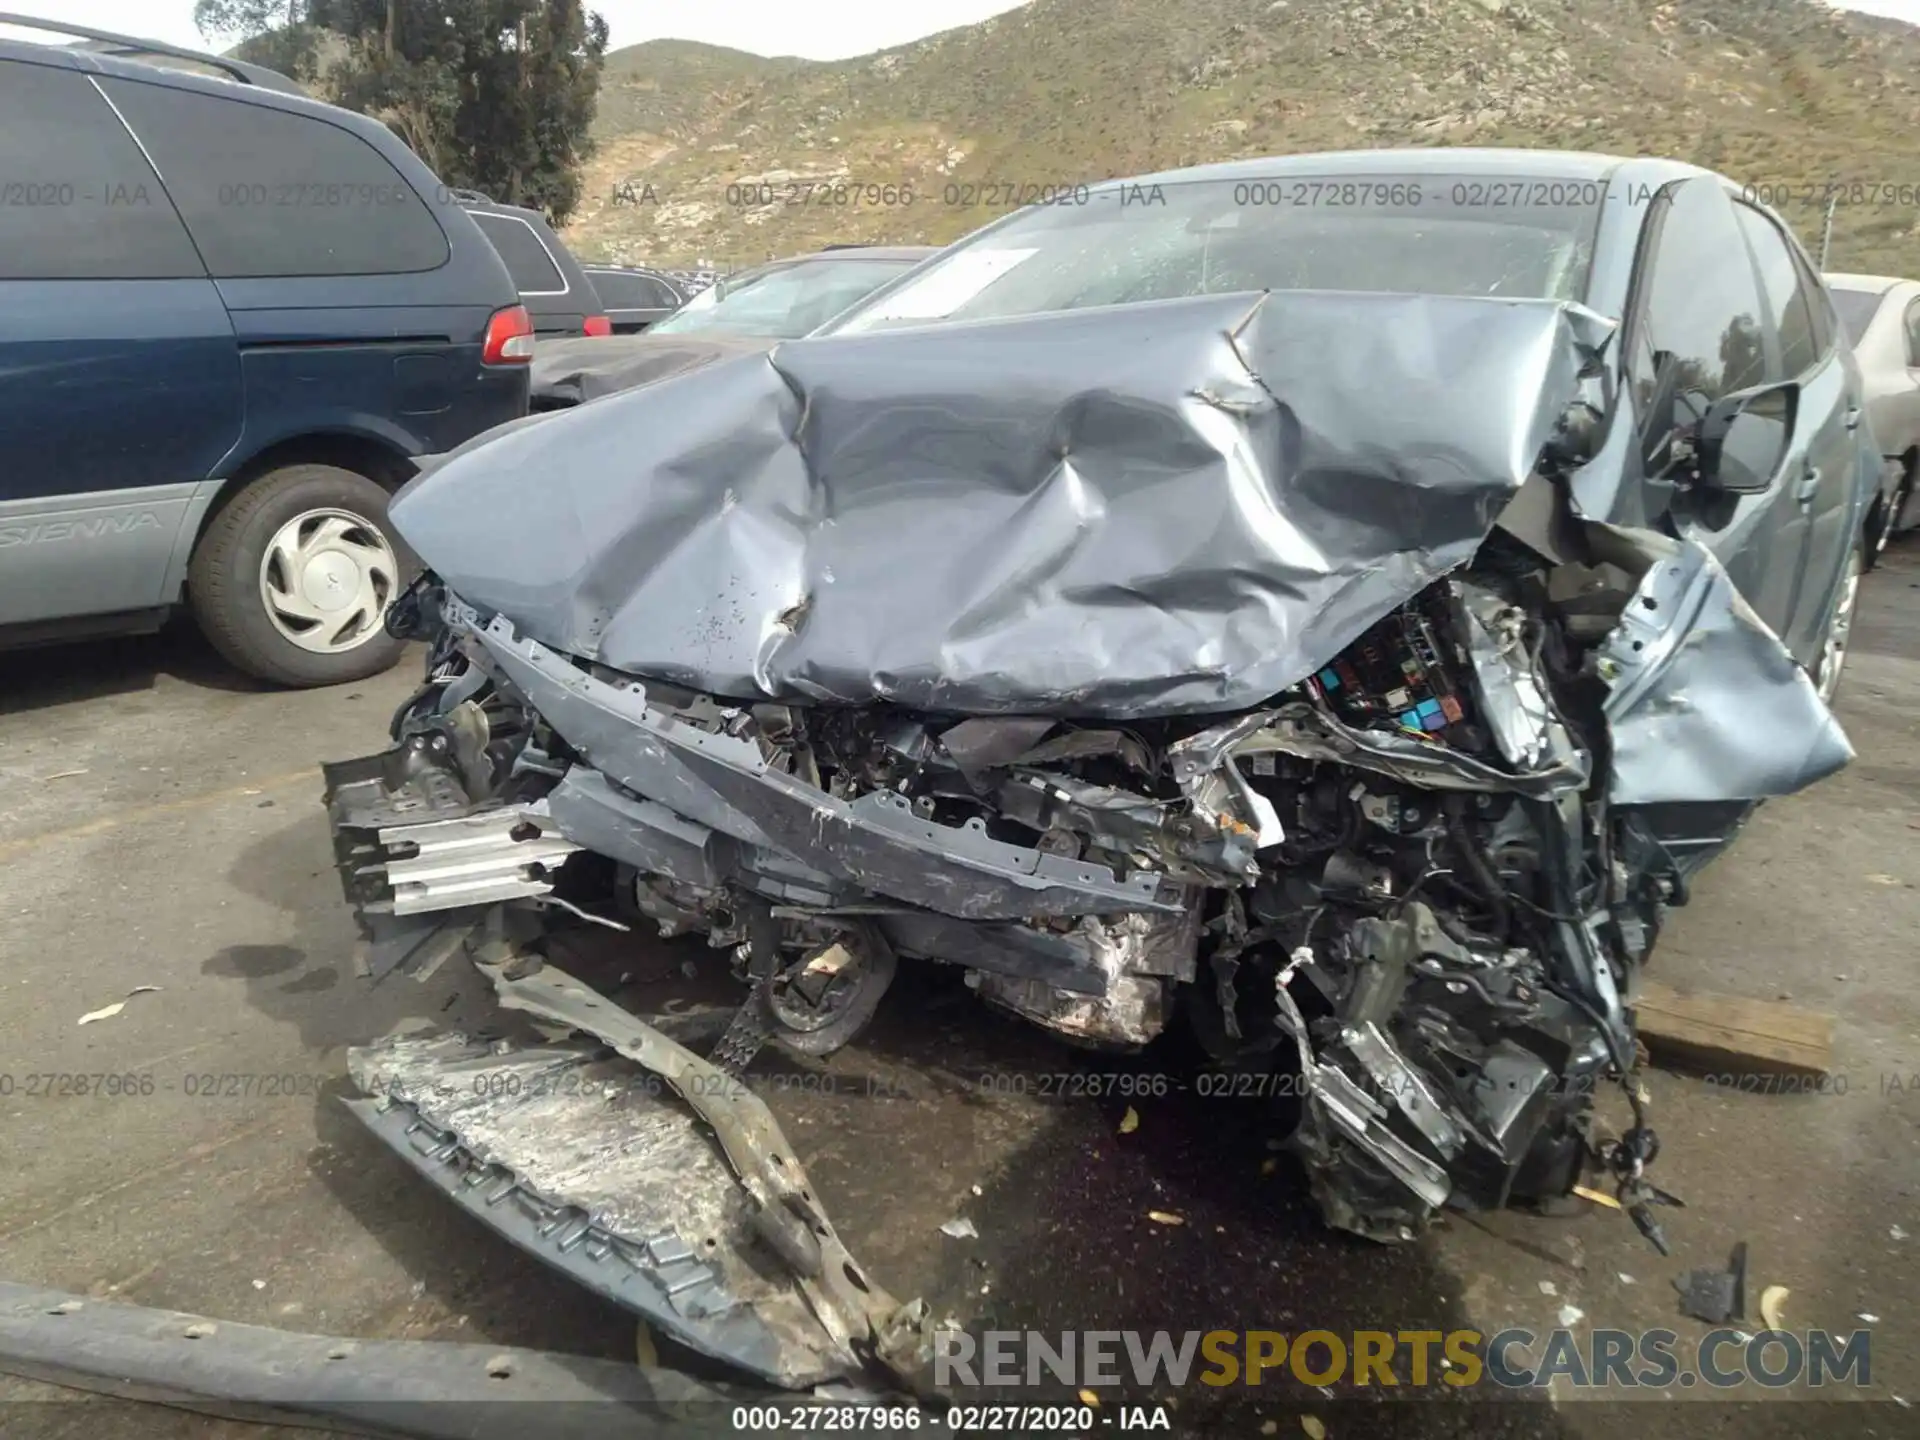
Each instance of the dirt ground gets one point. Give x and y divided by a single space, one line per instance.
160 825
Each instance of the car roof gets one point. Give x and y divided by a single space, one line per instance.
107 42
1869 284
472 204
100 62
1441 160
648 270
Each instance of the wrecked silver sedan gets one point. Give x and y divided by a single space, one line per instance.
1335 604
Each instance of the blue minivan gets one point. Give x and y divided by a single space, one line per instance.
230 318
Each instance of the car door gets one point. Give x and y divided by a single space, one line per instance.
1697 335
121 372
349 316
1823 462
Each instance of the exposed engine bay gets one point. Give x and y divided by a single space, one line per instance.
1381 877
1350 744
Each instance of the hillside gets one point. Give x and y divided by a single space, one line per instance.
1781 93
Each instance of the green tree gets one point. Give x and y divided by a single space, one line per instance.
496 95
275 33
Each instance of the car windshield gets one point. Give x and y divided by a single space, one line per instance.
785 301
1857 309
1422 234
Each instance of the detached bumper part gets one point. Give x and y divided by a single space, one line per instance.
610 1174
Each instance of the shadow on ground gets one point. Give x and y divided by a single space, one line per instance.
61 674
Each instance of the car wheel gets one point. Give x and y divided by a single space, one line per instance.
1833 649
292 580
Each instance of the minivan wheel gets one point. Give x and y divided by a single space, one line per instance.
1833 650
292 579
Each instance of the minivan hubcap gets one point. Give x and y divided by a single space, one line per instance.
326 580
1834 654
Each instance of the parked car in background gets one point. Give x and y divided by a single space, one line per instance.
552 283
635 298
753 310
692 282
1881 315
215 380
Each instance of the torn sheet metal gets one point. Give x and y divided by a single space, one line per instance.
1692 670
877 840
1151 509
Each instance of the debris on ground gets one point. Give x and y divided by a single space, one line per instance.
1771 1300
1894 1232
960 1228
1164 1217
1130 1121
1547 1287
1311 1424
1864 1318
109 1011
1626 1279
1571 1315
1717 1296
61 775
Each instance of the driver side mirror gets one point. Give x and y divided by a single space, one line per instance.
1744 438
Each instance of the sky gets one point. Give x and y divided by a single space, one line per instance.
815 29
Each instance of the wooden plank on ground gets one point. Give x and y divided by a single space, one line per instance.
1729 1035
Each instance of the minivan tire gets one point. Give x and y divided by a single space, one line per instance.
228 595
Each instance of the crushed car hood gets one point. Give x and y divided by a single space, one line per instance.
572 372
1174 507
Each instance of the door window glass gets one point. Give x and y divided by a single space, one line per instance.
269 192
528 262
1787 304
1698 334
78 201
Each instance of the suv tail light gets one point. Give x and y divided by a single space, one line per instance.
598 325
509 337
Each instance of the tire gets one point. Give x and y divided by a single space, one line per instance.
329 537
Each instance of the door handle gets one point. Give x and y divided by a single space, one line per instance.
1853 417
1809 485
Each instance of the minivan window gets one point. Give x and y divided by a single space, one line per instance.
80 202
1857 309
269 192
528 262
1780 282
